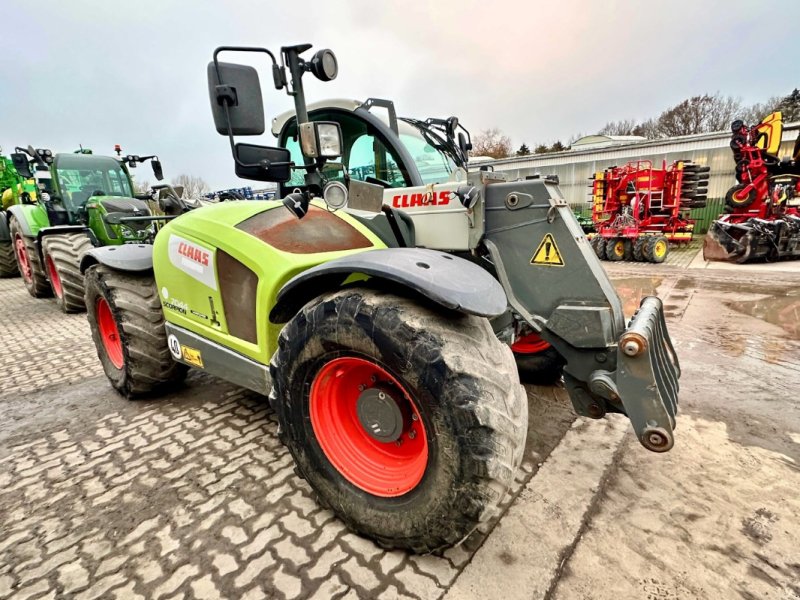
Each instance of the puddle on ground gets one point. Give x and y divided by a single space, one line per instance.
781 309
631 290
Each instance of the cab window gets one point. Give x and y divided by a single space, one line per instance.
366 156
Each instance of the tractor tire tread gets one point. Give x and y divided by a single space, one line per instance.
38 287
66 252
485 401
8 262
136 308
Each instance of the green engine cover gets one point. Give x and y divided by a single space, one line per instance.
219 269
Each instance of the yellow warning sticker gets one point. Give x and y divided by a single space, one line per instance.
547 253
192 356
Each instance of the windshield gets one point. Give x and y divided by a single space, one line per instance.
82 176
369 157
433 164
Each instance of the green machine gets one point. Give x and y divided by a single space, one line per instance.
383 305
81 200
14 189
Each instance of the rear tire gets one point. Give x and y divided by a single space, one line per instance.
638 249
618 249
8 263
599 246
62 256
127 324
448 369
657 249
28 263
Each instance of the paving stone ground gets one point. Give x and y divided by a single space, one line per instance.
189 496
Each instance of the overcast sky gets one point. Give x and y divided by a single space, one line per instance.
96 72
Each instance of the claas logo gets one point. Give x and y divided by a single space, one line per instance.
194 253
422 199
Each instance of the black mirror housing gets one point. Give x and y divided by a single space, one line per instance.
263 163
21 164
158 172
239 88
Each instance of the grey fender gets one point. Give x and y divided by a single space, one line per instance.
127 257
447 280
16 211
5 233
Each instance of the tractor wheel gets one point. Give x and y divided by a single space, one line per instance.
408 422
127 326
619 249
638 249
599 246
538 363
8 263
28 263
62 256
736 198
657 249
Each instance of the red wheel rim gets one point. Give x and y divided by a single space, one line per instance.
109 333
22 257
530 344
385 469
55 280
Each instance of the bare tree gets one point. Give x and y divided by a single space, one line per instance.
193 186
624 127
140 187
491 142
754 113
698 114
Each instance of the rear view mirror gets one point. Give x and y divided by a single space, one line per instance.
238 88
157 170
263 163
463 144
21 164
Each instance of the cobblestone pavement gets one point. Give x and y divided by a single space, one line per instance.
190 496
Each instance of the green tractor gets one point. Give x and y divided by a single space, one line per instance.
14 189
380 305
83 200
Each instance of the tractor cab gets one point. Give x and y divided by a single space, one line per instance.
427 159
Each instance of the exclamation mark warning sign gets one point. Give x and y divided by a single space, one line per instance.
547 253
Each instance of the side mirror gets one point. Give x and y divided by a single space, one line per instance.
321 139
263 163
21 164
463 144
157 170
238 88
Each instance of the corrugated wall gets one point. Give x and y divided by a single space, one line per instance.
575 169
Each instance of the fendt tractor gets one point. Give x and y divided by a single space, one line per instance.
13 189
639 210
376 304
762 211
84 200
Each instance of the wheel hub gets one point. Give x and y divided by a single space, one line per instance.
380 415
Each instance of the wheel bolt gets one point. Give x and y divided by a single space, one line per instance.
362 387
414 417
374 379
412 434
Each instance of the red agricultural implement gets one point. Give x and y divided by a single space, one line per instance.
762 212
638 210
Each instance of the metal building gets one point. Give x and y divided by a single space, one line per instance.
575 167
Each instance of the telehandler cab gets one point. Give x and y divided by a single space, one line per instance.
383 310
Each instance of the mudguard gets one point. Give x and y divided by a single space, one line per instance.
5 233
22 213
128 257
450 281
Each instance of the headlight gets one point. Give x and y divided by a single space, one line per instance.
321 139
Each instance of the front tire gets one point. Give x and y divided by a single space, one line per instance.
62 256
736 198
8 262
127 324
444 376
28 263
